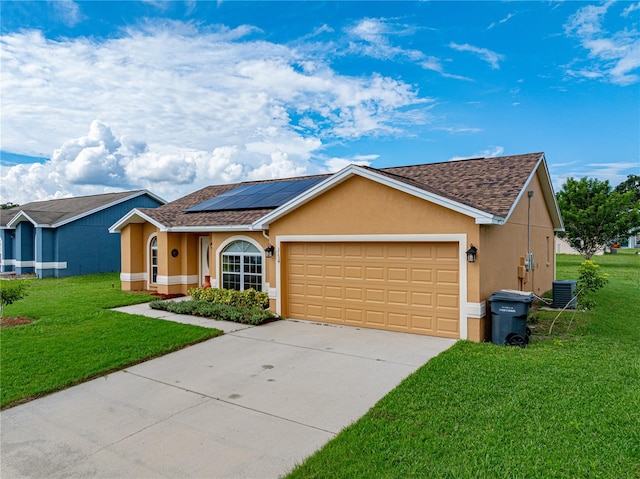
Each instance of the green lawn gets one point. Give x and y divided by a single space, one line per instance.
75 337
566 407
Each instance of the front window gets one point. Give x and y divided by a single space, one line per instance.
154 260
242 266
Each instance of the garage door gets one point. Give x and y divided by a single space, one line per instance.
409 287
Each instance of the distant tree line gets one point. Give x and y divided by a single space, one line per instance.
596 215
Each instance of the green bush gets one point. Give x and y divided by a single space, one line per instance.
198 307
590 280
249 298
11 291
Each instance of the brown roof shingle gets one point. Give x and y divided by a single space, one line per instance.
488 184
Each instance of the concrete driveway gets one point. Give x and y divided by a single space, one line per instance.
250 404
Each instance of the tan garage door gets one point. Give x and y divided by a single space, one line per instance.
409 287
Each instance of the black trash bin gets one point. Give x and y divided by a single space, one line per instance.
509 311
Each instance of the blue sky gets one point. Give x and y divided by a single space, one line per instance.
173 96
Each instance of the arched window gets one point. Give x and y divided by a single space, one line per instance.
153 255
242 266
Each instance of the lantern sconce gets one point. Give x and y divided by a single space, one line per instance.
268 251
471 254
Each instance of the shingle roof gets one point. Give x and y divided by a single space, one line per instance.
53 212
491 185
173 215
488 184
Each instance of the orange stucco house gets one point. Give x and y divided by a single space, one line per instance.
381 248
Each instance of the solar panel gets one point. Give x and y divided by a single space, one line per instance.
261 195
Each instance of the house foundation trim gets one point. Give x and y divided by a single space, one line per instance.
477 310
131 277
51 265
173 280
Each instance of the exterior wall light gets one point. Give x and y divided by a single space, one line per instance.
268 251
471 254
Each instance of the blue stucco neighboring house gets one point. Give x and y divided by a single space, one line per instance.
69 236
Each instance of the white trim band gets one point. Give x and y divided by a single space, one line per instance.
477 310
132 277
25 264
52 265
173 280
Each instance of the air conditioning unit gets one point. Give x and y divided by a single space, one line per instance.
563 294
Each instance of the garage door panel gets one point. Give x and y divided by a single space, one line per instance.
421 275
421 299
374 295
333 271
398 274
447 276
353 316
313 270
396 251
333 292
447 301
397 319
410 287
374 317
398 298
353 293
374 250
353 273
376 273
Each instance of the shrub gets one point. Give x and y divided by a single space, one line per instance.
198 307
11 291
249 298
590 280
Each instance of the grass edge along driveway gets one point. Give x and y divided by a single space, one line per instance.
76 337
565 407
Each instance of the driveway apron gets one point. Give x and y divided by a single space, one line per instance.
250 404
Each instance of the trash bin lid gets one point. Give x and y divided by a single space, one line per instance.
512 295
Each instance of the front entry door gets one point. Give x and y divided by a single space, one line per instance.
204 258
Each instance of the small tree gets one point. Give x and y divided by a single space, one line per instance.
596 215
10 292
590 280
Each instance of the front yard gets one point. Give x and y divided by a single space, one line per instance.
75 337
565 407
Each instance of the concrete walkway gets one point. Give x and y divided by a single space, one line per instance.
250 404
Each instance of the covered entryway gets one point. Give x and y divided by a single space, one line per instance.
399 286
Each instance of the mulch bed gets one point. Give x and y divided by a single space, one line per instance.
6 322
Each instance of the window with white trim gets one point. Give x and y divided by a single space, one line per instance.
154 260
242 266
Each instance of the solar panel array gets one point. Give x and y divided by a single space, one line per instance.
260 195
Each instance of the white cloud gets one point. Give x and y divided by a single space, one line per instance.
370 37
492 58
68 11
461 129
504 20
491 152
336 164
374 33
615 172
184 104
631 8
612 57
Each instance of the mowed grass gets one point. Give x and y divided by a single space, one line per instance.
75 337
568 406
